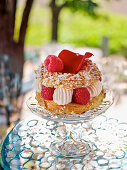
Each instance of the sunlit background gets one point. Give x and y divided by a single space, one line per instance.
78 27
101 30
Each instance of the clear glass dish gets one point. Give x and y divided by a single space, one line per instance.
70 118
69 147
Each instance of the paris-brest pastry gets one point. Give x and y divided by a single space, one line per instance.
69 83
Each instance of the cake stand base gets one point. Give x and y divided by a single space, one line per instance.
71 148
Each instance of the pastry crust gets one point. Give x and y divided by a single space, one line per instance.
70 108
88 74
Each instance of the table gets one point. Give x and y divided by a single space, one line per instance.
27 146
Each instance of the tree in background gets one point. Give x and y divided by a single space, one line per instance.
87 6
15 49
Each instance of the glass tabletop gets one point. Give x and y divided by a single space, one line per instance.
27 146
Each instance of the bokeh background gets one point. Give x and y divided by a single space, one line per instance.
31 30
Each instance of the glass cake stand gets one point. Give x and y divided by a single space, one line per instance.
69 146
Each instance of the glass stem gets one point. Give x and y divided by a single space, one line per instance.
68 131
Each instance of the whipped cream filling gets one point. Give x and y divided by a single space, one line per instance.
95 89
62 96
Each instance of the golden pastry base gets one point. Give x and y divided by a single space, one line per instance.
71 108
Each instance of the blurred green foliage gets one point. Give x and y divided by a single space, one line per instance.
83 30
76 28
87 6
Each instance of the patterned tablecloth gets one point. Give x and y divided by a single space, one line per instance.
27 146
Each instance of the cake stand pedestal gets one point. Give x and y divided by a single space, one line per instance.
70 147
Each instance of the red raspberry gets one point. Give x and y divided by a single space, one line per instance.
81 96
47 92
53 64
